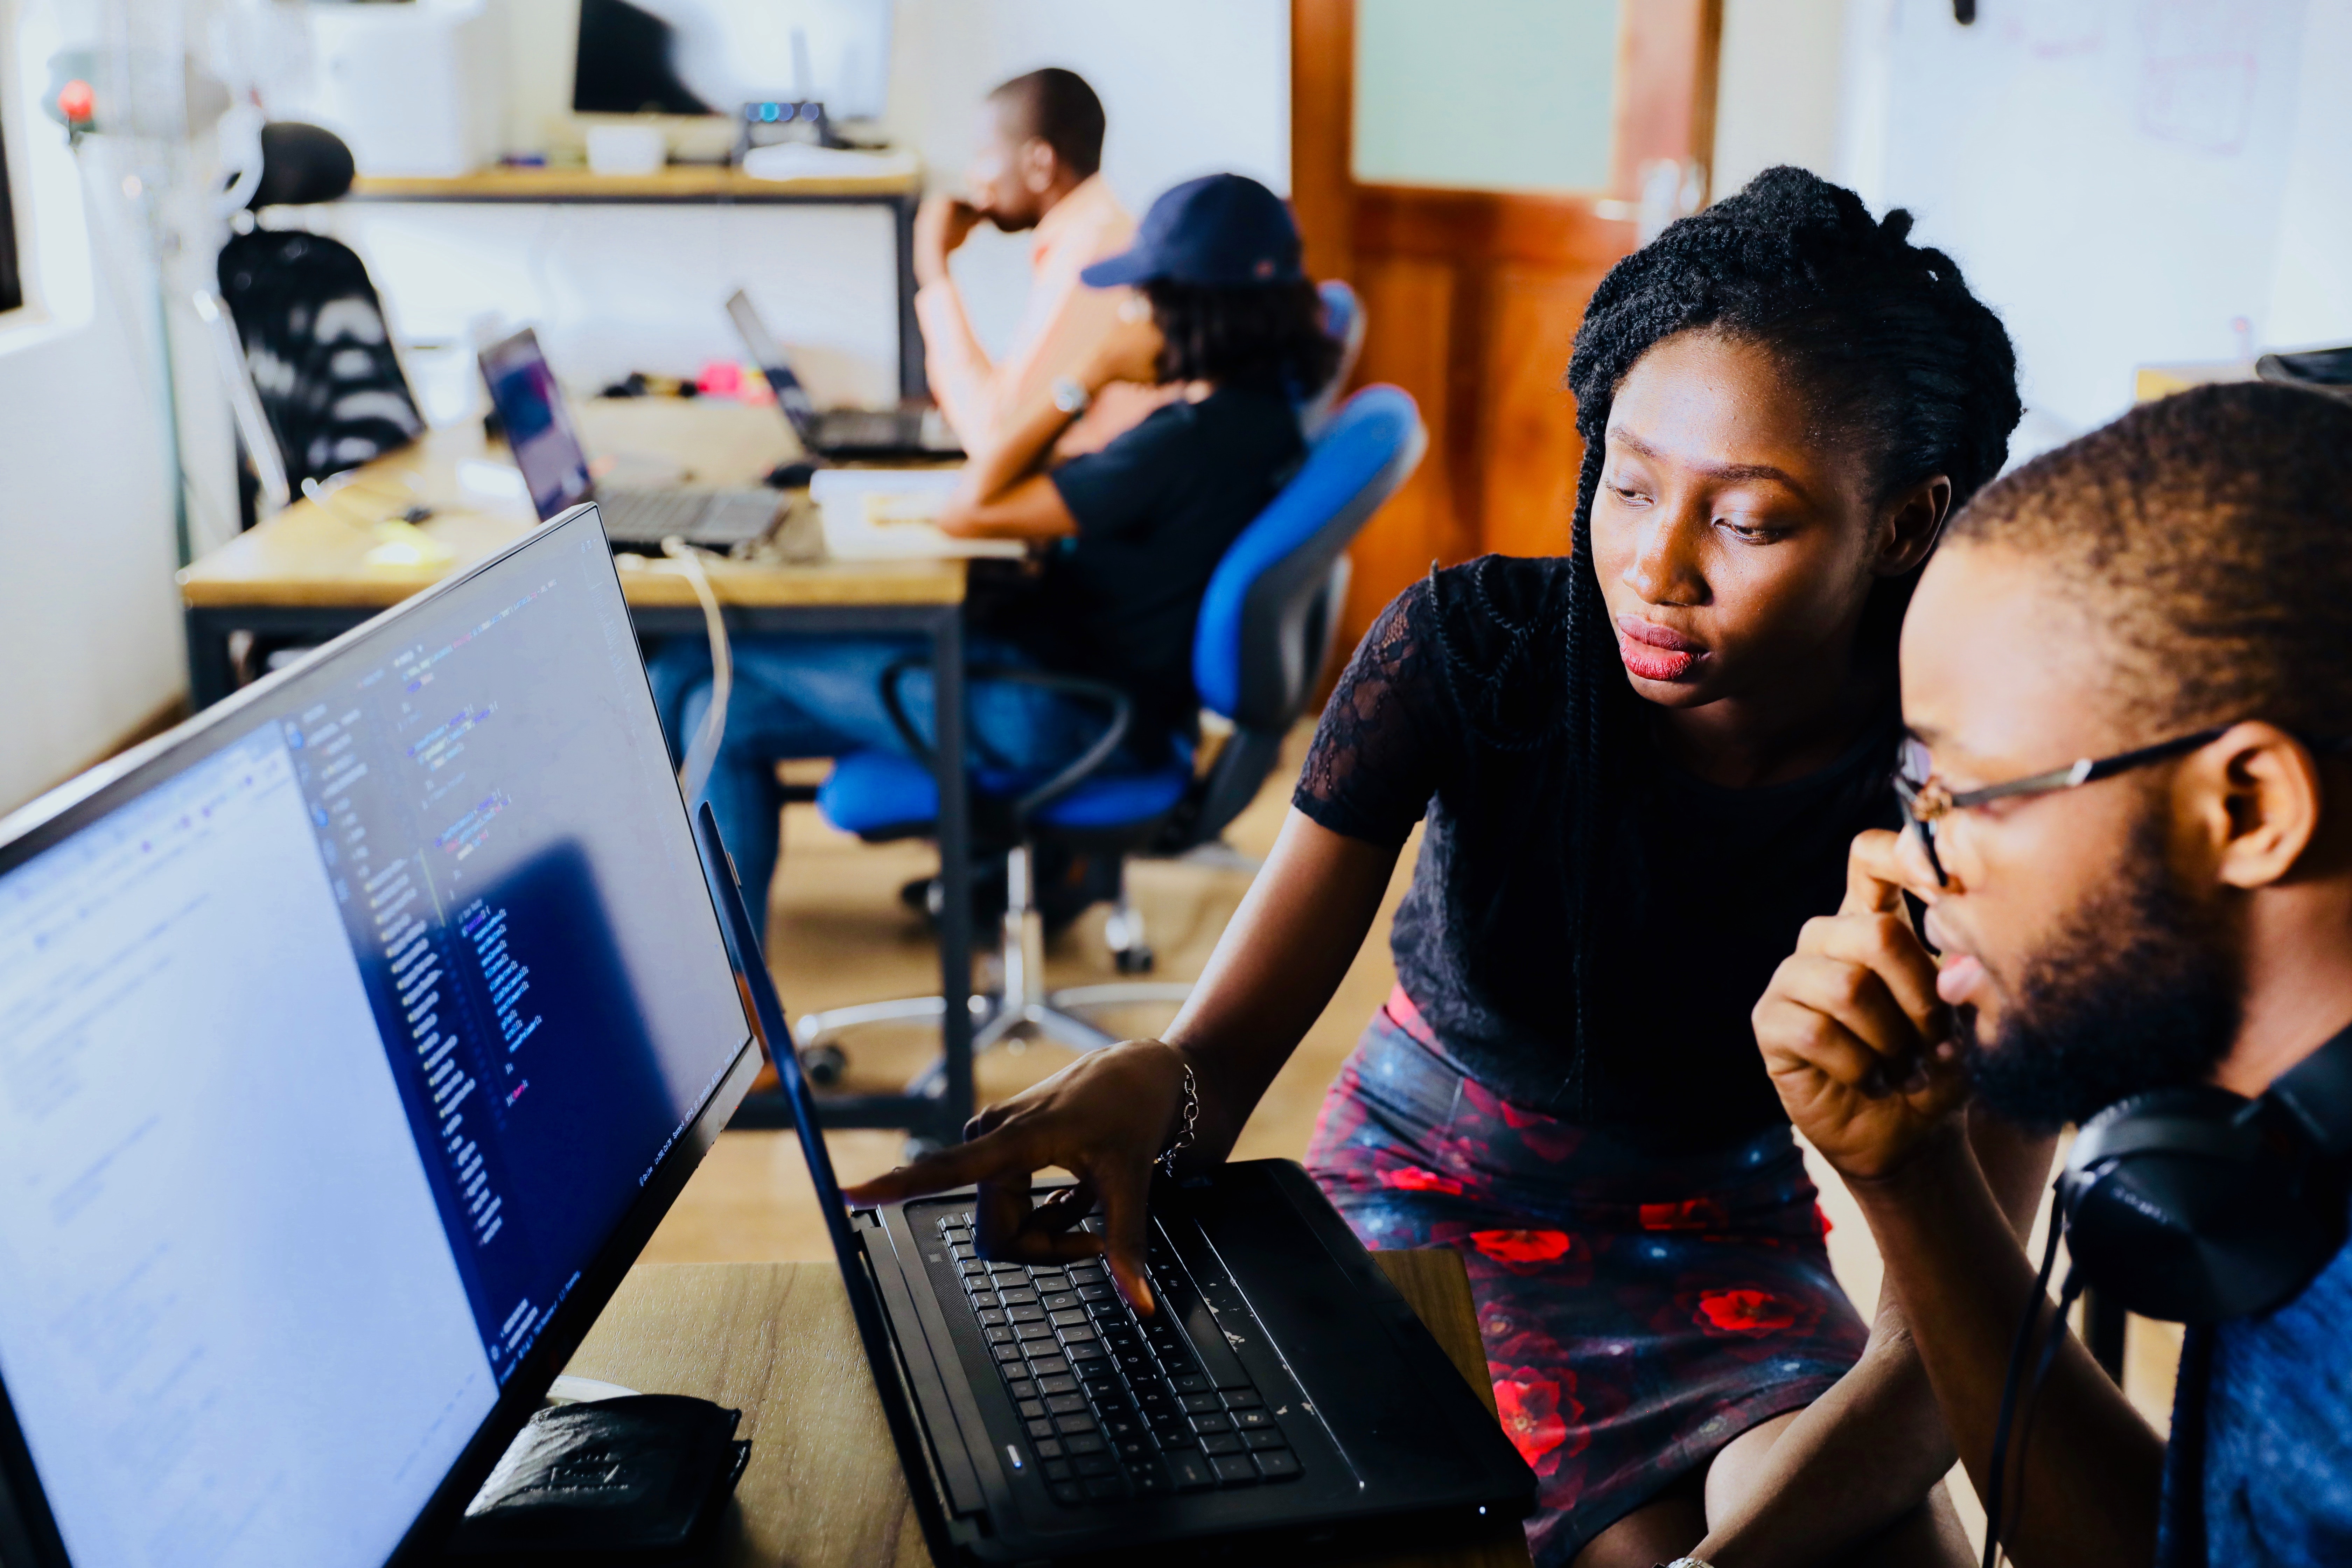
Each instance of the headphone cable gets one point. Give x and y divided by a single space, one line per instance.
2022 1352
2050 1341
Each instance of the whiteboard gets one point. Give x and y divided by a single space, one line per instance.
2111 174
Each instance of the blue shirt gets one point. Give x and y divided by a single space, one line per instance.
2260 1467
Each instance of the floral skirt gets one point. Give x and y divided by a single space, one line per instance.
1639 1310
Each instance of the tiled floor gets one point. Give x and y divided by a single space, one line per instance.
838 934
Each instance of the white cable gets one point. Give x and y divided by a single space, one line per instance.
703 754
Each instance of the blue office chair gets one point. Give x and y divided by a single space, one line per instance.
1343 318
1265 631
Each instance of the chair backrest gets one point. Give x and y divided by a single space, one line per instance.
318 350
1256 651
1343 318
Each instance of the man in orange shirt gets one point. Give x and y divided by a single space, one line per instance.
1037 172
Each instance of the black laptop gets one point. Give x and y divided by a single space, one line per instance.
1283 1402
848 433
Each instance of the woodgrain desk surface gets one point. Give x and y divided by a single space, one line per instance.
319 556
676 182
825 1490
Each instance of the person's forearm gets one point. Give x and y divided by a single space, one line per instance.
1020 450
1275 970
955 365
1869 1450
1963 1282
1861 1456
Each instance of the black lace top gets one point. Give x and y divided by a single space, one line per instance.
1450 707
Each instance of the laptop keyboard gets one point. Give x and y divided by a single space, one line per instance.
704 517
1115 1406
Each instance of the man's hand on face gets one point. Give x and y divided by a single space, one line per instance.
942 226
1858 1043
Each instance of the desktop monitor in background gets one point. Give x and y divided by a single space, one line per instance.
711 57
538 424
353 1040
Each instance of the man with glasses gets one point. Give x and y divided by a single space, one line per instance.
2127 676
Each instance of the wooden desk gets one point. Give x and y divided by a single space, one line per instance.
695 182
825 1490
305 573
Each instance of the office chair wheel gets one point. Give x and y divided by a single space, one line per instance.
1136 960
823 1064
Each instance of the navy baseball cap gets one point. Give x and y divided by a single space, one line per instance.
1224 230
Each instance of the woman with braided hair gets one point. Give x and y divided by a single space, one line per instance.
1639 766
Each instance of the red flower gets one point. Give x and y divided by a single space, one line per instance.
1823 1215
1413 1179
1541 1135
1691 1214
1746 1312
1523 1246
1535 1416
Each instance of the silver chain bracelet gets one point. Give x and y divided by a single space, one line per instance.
1183 1138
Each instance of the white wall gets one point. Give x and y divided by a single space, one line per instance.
2126 180
89 630
1777 97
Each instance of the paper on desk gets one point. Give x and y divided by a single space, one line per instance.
801 161
888 514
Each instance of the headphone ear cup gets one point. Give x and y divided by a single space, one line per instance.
2180 1207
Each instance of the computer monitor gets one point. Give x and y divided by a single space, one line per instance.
711 57
538 424
352 1039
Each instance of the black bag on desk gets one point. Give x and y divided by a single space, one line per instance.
642 1480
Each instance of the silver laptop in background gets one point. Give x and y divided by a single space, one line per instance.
872 434
554 465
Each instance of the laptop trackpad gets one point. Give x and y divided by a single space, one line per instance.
1366 1379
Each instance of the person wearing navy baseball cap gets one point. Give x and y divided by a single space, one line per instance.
1221 231
1219 316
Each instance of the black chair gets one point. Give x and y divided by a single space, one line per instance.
308 321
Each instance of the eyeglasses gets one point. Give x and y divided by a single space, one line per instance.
1926 802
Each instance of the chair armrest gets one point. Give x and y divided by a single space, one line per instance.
1120 705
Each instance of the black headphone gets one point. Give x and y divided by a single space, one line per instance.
2190 1206
2197 1205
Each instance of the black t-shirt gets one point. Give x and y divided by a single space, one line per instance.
1450 707
1157 510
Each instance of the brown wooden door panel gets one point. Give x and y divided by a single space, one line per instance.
1472 299
1414 297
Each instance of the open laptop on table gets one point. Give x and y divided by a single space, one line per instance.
546 447
870 434
354 1038
1284 1387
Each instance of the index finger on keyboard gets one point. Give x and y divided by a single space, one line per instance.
987 1157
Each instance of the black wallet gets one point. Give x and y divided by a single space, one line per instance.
642 1480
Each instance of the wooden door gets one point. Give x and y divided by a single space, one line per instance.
1472 297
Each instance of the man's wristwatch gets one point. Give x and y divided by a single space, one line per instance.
1071 397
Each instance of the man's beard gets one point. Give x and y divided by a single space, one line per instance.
2137 992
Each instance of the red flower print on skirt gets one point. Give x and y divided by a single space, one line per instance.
1691 1214
1542 1136
1413 1179
1524 1246
1749 1313
1539 1416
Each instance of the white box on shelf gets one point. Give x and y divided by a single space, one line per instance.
416 89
